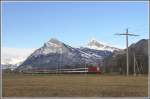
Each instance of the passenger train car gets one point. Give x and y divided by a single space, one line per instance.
89 70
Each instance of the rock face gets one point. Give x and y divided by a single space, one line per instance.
117 61
55 54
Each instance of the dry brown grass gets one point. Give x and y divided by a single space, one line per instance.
47 85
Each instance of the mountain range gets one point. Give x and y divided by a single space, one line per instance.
55 54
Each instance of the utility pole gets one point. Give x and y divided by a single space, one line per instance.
134 65
60 60
127 50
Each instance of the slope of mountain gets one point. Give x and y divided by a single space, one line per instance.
55 54
117 61
94 52
94 44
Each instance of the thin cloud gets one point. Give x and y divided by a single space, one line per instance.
14 55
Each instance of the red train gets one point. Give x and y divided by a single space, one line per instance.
82 70
91 69
94 70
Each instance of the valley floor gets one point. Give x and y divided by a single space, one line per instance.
75 85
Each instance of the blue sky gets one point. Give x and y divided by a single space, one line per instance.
30 24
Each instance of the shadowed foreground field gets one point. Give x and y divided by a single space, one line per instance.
48 85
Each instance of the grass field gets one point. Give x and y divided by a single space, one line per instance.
48 85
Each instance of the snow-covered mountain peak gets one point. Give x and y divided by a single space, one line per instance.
98 45
53 43
54 40
52 46
94 42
